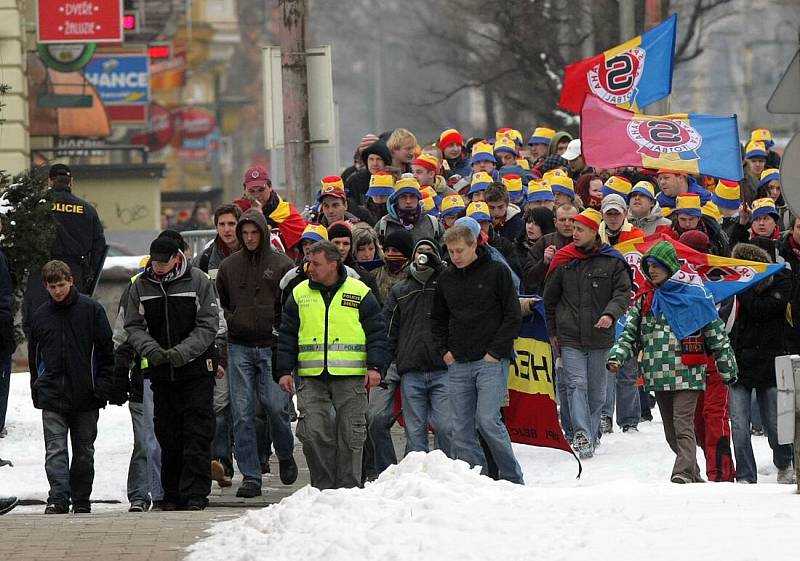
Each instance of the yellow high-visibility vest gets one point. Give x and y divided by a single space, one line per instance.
331 337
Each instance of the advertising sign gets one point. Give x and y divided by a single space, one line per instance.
120 79
79 21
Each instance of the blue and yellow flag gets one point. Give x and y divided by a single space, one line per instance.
631 75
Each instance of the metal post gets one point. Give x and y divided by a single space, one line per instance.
297 151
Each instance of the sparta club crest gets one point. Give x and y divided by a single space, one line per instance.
615 79
657 137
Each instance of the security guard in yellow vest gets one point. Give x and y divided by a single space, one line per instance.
333 335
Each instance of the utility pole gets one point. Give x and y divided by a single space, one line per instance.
297 150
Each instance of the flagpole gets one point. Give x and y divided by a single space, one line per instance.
653 16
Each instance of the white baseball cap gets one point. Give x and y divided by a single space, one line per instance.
613 202
573 150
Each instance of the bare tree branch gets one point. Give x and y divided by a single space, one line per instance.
444 96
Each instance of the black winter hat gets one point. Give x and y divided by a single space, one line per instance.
402 241
340 230
163 249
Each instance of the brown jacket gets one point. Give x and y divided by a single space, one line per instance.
248 285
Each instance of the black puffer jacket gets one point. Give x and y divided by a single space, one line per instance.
178 313
71 355
408 310
759 334
476 311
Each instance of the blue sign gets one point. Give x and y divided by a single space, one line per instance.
120 79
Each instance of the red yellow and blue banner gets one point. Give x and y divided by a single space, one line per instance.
722 276
532 415
696 144
631 75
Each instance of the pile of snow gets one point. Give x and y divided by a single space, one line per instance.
431 508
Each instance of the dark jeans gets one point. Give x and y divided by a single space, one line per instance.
184 422
69 481
5 385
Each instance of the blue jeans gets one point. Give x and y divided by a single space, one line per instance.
561 398
138 479
69 480
425 399
586 378
622 392
151 445
250 378
477 390
740 428
379 415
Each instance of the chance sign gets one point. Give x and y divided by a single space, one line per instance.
120 79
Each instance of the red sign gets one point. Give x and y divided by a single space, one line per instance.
79 21
194 122
160 129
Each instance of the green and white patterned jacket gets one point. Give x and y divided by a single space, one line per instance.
660 363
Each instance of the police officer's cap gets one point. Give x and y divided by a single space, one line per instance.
60 170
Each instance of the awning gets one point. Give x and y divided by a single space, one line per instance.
57 88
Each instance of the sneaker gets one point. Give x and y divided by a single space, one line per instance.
606 425
265 467
3 432
81 509
139 506
218 474
680 479
581 444
288 470
630 428
786 476
165 506
7 504
248 490
56 508
757 431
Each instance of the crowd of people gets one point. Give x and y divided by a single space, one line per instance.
410 275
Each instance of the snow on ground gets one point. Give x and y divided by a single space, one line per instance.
432 508
24 446
429 507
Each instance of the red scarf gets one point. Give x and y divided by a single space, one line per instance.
570 253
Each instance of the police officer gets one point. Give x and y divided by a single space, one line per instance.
332 332
79 240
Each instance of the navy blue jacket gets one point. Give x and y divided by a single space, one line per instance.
71 355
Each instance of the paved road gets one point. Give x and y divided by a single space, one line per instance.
110 533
